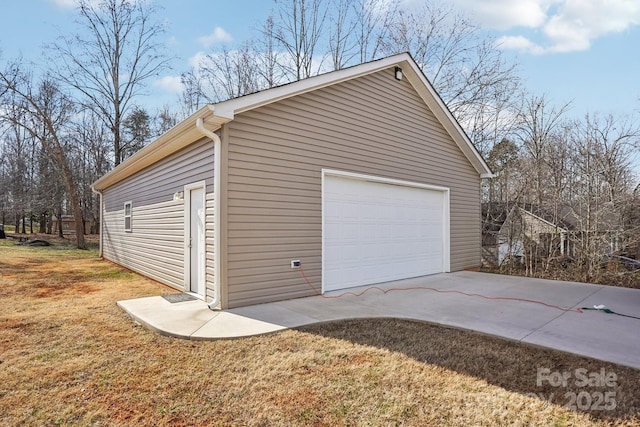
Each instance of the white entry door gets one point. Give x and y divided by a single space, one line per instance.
197 241
375 232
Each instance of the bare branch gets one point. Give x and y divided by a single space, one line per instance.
108 61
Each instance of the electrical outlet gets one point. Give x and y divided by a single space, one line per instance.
296 263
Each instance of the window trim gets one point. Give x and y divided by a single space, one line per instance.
127 216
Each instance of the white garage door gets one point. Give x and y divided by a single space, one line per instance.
377 231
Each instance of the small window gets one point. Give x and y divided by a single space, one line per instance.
127 216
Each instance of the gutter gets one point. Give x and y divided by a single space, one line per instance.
217 149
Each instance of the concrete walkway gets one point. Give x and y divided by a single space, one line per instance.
594 334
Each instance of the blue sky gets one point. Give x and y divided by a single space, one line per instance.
584 51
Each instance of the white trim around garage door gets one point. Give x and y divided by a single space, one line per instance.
382 180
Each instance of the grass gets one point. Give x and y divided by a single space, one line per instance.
69 356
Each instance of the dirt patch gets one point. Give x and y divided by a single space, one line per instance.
15 324
46 289
52 290
84 289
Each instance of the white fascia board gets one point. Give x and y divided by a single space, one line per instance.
268 96
176 138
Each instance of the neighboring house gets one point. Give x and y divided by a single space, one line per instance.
547 234
523 228
362 174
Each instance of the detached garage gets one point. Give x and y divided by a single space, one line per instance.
361 174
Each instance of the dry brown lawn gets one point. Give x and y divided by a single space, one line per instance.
69 356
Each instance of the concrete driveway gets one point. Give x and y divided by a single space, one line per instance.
534 311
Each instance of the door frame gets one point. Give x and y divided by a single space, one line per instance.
187 230
446 229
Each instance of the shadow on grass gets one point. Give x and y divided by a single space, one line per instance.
590 385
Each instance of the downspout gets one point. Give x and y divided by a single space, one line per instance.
217 146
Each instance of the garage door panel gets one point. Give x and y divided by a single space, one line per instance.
376 232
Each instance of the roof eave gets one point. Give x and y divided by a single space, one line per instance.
215 115
446 118
175 139
275 94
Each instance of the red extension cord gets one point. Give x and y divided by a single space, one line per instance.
426 288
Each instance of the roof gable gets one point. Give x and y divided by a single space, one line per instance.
214 116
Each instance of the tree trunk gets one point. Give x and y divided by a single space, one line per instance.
60 233
70 186
77 213
43 223
95 222
75 204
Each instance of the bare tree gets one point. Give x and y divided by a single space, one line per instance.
284 51
493 118
49 193
465 68
230 73
373 19
18 180
108 61
342 43
193 94
267 57
43 112
91 159
165 119
537 123
632 224
299 30
617 142
603 148
5 195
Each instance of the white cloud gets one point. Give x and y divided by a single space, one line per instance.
519 43
218 35
72 4
197 59
171 84
173 41
563 25
68 4
505 14
577 23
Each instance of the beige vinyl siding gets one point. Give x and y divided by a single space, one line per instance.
155 245
372 125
